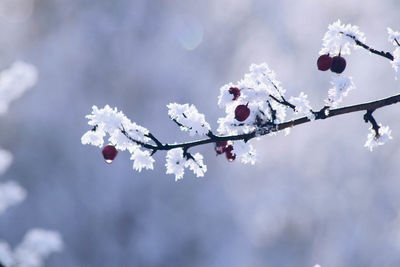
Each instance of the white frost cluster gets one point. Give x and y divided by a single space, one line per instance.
394 38
10 194
373 140
188 118
335 39
14 81
35 247
257 90
396 61
302 105
142 159
245 152
111 121
342 85
177 162
5 160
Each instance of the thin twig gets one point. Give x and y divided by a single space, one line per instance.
369 118
370 49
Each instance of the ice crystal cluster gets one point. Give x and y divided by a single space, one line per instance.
188 118
14 81
256 104
377 139
113 123
35 247
177 161
10 194
394 39
5 160
37 243
341 86
258 90
337 39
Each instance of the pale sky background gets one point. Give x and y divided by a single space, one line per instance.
315 196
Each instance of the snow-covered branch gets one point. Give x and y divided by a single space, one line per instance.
254 106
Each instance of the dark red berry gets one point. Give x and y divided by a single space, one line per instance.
324 62
109 153
220 147
228 152
235 92
242 112
338 64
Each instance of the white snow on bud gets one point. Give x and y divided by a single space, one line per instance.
196 165
6 254
342 85
142 159
189 118
14 81
393 37
245 152
5 160
175 163
37 245
374 140
10 194
259 90
95 138
335 39
302 105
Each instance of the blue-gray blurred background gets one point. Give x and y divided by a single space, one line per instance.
315 196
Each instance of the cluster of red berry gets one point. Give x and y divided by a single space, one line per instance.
336 64
223 147
242 112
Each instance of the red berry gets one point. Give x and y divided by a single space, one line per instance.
235 92
338 64
229 155
242 112
109 153
220 147
324 62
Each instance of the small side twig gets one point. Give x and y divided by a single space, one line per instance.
370 49
369 118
